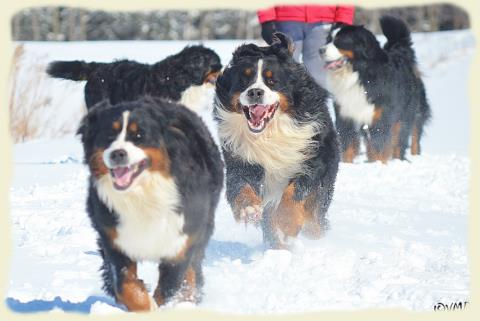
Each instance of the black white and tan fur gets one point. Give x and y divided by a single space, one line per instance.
185 77
155 179
378 91
279 144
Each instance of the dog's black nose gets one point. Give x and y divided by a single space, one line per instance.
322 50
119 157
255 93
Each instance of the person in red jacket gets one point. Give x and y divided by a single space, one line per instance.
308 26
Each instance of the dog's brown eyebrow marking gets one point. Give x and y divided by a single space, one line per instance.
247 71
133 127
116 125
268 74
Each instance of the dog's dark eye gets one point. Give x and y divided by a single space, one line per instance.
270 82
112 135
135 136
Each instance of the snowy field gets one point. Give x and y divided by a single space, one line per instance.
398 234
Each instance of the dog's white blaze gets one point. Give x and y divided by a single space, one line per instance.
331 52
281 149
149 227
135 154
123 133
334 32
350 95
198 98
270 97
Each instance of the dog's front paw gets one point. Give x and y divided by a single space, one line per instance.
247 206
251 214
153 304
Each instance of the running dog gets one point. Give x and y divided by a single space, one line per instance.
279 144
185 77
378 91
155 180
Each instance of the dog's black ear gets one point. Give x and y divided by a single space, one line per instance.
281 40
246 50
369 47
87 127
223 86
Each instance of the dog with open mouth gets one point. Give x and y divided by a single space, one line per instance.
187 77
279 144
155 179
378 91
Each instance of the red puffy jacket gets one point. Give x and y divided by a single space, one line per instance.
308 13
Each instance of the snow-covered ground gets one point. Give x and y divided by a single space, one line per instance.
398 234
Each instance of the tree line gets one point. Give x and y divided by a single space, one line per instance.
78 24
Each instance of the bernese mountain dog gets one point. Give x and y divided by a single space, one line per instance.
185 77
378 91
279 144
155 179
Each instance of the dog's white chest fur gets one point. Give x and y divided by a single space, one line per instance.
281 149
350 95
149 226
198 98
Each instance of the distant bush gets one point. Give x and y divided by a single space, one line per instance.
76 24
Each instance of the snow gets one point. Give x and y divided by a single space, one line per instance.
397 238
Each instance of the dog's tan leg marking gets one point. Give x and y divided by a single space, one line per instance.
189 286
247 203
133 293
395 141
390 150
352 151
415 149
377 114
289 216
